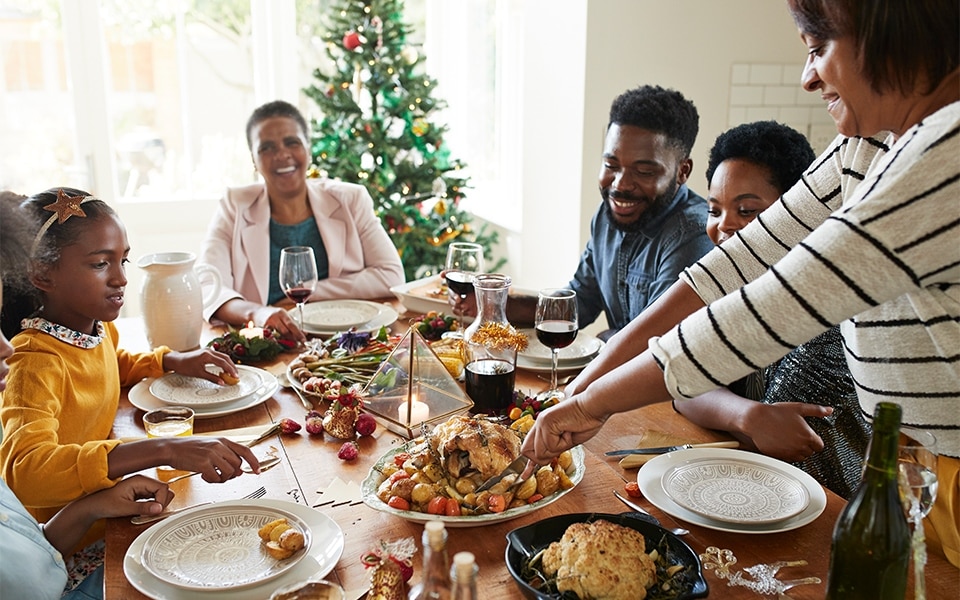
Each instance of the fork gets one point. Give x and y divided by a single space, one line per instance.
260 492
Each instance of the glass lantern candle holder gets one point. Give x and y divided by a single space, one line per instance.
413 389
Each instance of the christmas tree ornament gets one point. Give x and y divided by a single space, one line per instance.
409 55
351 40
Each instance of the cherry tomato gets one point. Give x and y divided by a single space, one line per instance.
398 503
437 505
534 498
515 413
400 458
633 490
453 508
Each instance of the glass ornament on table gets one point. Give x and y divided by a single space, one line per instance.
464 262
298 275
917 472
556 326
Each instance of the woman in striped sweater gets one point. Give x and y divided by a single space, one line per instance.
867 239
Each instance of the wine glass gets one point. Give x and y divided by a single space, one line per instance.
298 275
556 324
464 262
917 472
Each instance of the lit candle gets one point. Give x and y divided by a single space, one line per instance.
250 332
419 411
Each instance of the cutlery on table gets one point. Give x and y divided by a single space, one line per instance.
284 380
260 492
267 433
522 466
665 449
652 519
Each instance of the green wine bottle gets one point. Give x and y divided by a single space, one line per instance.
870 552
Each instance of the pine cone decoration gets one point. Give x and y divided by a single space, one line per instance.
339 420
386 582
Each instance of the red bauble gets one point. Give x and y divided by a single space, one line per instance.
351 40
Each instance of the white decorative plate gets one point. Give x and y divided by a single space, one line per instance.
385 316
650 476
735 491
339 314
174 388
582 350
217 547
140 396
319 560
369 490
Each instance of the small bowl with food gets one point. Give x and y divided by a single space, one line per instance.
435 476
621 556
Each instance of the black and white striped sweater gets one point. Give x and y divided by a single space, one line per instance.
868 239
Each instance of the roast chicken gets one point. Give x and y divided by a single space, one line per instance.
466 444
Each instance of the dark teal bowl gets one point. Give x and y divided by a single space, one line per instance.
525 542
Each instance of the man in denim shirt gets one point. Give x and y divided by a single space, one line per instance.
650 226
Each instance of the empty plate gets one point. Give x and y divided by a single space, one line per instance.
735 491
339 314
218 548
174 388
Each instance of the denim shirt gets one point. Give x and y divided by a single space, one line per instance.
30 567
621 273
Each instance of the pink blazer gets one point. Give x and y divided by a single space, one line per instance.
363 261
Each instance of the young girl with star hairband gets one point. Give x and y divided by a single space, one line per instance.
66 372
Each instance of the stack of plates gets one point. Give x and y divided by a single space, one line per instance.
577 355
327 317
731 490
207 399
214 552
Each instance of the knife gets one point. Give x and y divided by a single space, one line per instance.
522 465
665 449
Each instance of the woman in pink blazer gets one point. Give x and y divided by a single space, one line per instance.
355 257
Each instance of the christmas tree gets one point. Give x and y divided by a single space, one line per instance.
376 130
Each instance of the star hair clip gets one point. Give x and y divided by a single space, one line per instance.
66 206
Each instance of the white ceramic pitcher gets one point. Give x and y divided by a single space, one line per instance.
172 299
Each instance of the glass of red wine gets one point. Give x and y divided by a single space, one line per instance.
464 262
556 324
298 275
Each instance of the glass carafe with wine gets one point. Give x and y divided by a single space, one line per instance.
298 275
464 263
556 325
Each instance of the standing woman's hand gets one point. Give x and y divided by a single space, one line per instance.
559 428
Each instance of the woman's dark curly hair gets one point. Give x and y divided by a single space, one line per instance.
15 239
784 151
654 108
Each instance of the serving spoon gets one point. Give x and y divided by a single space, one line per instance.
639 509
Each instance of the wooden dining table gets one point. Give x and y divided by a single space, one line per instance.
309 464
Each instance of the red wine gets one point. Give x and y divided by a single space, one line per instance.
556 334
490 385
461 283
298 295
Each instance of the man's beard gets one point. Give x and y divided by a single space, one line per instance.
654 207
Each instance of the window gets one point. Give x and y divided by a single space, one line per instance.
146 101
